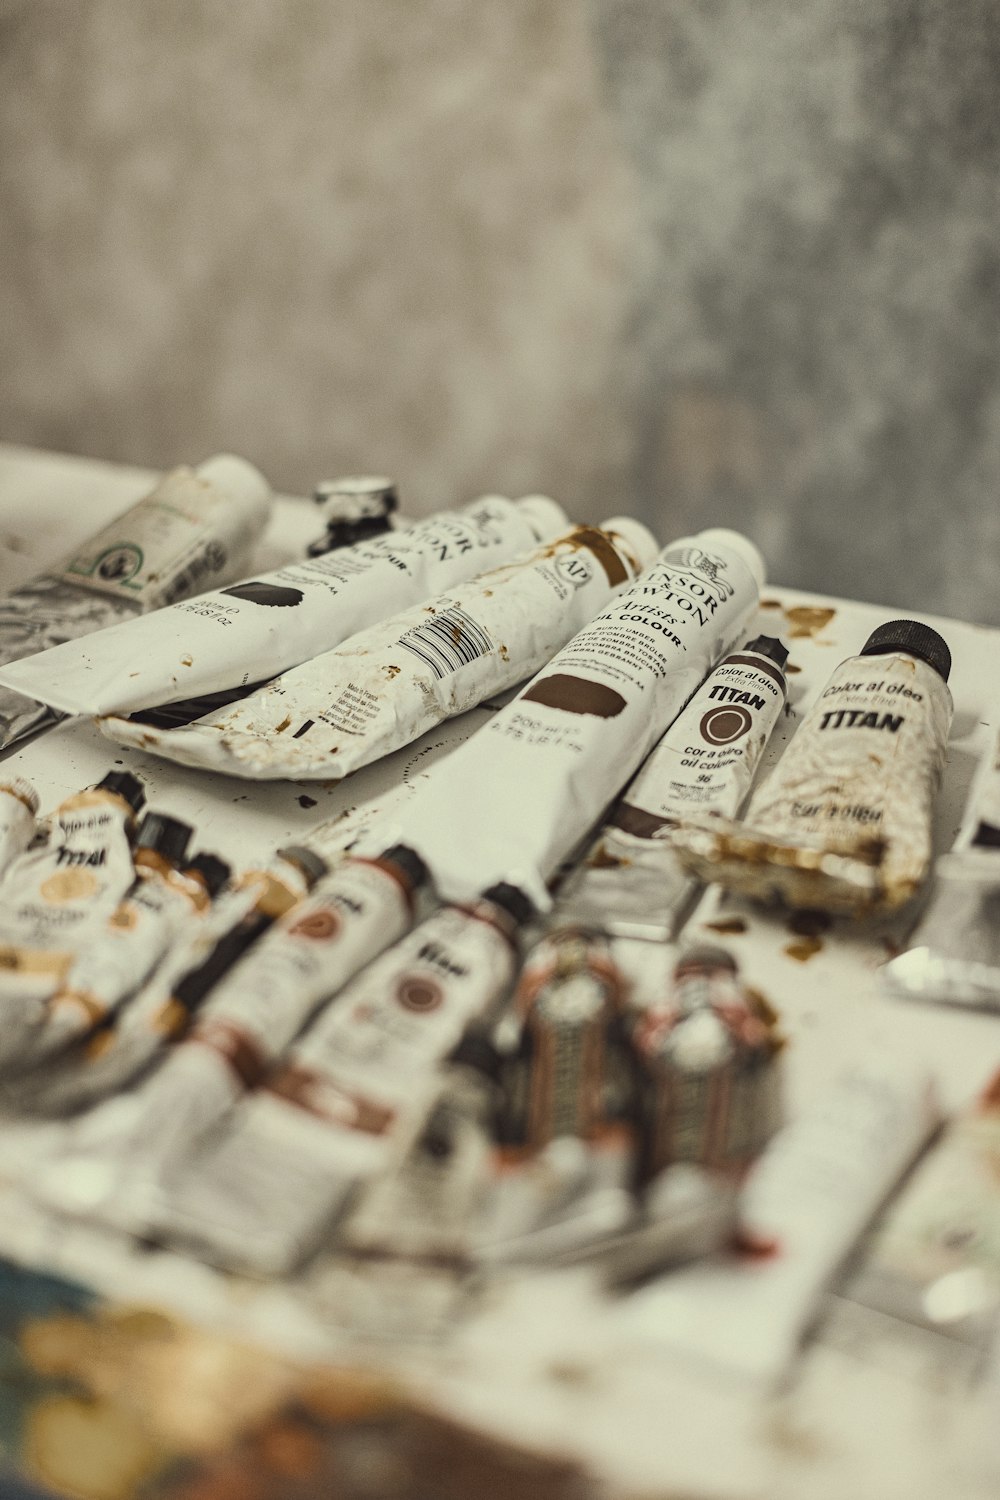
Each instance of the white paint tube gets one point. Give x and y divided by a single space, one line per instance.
517 797
18 811
250 1016
262 626
954 953
389 684
843 823
196 528
804 1205
55 895
263 1195
630 883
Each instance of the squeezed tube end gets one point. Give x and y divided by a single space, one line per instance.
545 516
241 480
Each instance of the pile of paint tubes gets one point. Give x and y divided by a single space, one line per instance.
433 1046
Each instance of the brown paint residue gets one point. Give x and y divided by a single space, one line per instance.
305 801
187 661
892 947
805 950
728 926
806 620
598 543
575 695
809 924
790 667
391 671
280 728
602 860
770 604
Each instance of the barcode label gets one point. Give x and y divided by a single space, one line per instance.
447 641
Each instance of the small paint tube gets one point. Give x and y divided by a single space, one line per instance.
630 883
843 823
18 811
127 1043
954 953
934 1258
254 1011
262 626
263 1195
196 528
55 895
554 757
803 1207
354 510
708 1056
391 683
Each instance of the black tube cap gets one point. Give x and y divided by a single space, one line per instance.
769 646
124 784
213 871
915 639
513 901
408 862
168 836
312 865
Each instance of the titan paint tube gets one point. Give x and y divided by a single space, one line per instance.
389 684
195 528
517 797
18 810
630 883
954 953
935 1256
354 510
843 823
803 1206
56 894
250 1016
262 1197
262 626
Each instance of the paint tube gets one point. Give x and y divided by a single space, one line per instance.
262 1196
803 1206
56 894
514 800
934 1259
630 883
390 683
195 528
127 1043
354 510
252 1013
843 823
954 953
255 629
18 810
708 1056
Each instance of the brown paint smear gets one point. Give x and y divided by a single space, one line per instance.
597 542
575 695
806 620
804 951
728 926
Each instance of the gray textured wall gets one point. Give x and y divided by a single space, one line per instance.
713 261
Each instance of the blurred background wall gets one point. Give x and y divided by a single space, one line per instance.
712 261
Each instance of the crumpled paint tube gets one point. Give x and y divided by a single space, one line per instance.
954 953
55 895
630 883
516 798
263 1196
843 823
262 626
389 684
18 811
804 1205
196 527
129 1041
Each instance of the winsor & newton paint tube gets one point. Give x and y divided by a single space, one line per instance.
935 1256
263 1195
708 1057
630 883
195 528
803 1206
517 797
55 895
255 1010
954 953
262 626
18 810
389 684
843 823
127 1043
354 510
